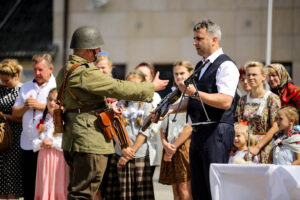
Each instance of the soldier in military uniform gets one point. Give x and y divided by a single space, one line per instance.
85 147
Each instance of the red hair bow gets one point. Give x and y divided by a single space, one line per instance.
38 126
243 122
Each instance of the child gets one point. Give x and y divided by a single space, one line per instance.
130 172
175 136
240 155
52 172
286 142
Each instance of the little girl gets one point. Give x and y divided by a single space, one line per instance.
175 137
286 142
52 172
240 154
129 169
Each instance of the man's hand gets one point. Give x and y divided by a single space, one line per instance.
190 90
32 103
154 115
117 109
159 84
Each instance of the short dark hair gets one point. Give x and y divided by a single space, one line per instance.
211 28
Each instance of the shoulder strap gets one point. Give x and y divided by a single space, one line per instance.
61 90
73 96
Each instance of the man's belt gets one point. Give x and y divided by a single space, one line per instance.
197 126
86 108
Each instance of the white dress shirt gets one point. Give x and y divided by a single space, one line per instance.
227 77
32 117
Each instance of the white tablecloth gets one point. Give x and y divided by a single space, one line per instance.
254 182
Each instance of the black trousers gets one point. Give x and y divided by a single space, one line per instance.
29 162
209 144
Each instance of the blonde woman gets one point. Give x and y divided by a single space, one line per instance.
259 108
10 167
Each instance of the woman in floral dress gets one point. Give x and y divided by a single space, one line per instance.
259 108
10 160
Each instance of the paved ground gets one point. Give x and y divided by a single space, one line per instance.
162 192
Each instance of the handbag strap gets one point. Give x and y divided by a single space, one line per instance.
5 119
2 116
61 90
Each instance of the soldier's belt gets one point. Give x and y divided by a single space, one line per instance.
197 126
87 108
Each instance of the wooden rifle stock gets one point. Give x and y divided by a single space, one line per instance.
162 108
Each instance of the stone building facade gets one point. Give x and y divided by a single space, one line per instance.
160 31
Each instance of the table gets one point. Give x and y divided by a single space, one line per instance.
254 182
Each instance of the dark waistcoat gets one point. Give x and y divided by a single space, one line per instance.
207 84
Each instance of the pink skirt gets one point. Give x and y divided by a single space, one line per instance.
52 175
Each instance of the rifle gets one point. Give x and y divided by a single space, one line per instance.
162 108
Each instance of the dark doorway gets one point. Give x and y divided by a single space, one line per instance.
166 73
119 71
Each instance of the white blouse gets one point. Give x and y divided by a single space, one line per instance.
47 133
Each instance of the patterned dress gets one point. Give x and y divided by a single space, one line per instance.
134 180
178 170
259 112
10 161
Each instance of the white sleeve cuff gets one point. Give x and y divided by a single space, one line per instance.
36 145
57 142
227 92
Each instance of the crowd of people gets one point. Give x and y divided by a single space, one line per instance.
215 123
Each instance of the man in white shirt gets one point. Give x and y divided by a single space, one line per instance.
30 105
213 134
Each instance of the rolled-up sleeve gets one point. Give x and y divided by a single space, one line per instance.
227 78
36 144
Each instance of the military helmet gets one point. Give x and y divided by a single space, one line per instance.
86 37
